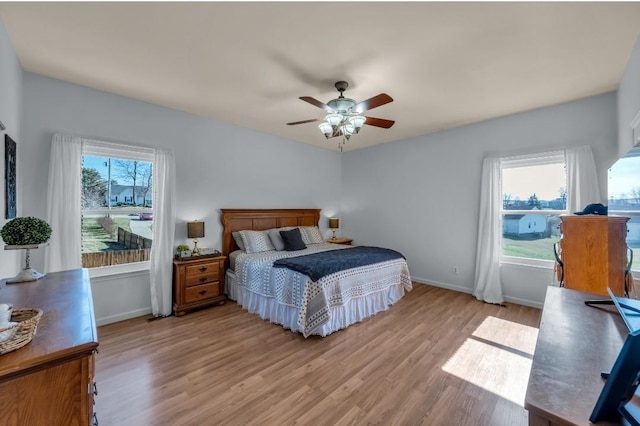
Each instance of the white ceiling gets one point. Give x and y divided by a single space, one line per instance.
246 63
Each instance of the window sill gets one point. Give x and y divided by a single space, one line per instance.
128 268
529 263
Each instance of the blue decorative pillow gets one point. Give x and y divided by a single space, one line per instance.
292 240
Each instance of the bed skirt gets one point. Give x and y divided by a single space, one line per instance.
355 310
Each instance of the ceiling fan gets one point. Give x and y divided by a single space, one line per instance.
345 115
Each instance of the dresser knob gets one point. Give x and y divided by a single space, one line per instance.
204 268
95 419
203 292
203 279
95 389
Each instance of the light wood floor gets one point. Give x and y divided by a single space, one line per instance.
437 357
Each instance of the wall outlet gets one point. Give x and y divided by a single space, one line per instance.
454 269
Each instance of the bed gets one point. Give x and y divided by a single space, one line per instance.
291 298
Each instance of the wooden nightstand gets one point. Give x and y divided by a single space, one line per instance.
345 241
197 282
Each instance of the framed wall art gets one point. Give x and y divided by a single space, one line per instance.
9 177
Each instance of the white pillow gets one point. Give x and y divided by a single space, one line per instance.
311 235
256 241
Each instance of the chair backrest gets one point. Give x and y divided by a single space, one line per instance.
559 266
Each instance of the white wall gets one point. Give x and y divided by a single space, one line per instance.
11 117
421 196
628 100
218 166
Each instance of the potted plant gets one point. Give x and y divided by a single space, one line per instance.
183 251
25 233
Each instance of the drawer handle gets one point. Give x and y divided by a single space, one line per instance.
203 292
203 279
95 419
204 268
95 388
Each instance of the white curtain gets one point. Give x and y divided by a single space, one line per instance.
487 285
582 178
64 204
164 200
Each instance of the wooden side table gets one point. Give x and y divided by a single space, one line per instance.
197 282
345 241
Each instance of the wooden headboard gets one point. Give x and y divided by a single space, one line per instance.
261 219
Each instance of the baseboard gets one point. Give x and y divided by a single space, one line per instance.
123 316
461 289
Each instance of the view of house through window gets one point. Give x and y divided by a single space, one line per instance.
624 198
534 195
117 210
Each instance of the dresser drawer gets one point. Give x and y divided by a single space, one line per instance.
201 292
203 269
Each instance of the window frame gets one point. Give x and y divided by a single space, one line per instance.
634 152
97 148
529 160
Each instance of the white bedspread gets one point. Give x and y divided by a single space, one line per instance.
349 296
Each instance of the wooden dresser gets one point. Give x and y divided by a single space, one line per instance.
197 282
575 344
50 380
594 252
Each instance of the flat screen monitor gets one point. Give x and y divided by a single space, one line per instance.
622 380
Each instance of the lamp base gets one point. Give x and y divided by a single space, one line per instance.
196 250
333 237
27 274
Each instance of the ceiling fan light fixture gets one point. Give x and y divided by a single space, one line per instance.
347 130
326 129
334 119
357 121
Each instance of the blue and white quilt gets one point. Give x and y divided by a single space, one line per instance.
315 298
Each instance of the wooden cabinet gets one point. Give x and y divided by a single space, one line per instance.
345 241
50 380
197 282
593 251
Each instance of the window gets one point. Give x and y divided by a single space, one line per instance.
534 194
117 204
624 198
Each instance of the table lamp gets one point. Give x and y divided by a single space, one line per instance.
195 230
334 223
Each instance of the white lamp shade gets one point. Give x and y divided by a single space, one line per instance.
357 121
334 119
326 128
347 129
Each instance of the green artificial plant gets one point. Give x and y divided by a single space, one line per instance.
23 231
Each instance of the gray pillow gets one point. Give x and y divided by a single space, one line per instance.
276 238
236 236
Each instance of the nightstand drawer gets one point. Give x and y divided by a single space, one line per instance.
203 269
200 292
201 278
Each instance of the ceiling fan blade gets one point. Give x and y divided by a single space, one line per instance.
371 103
379 122
315 102
304 121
